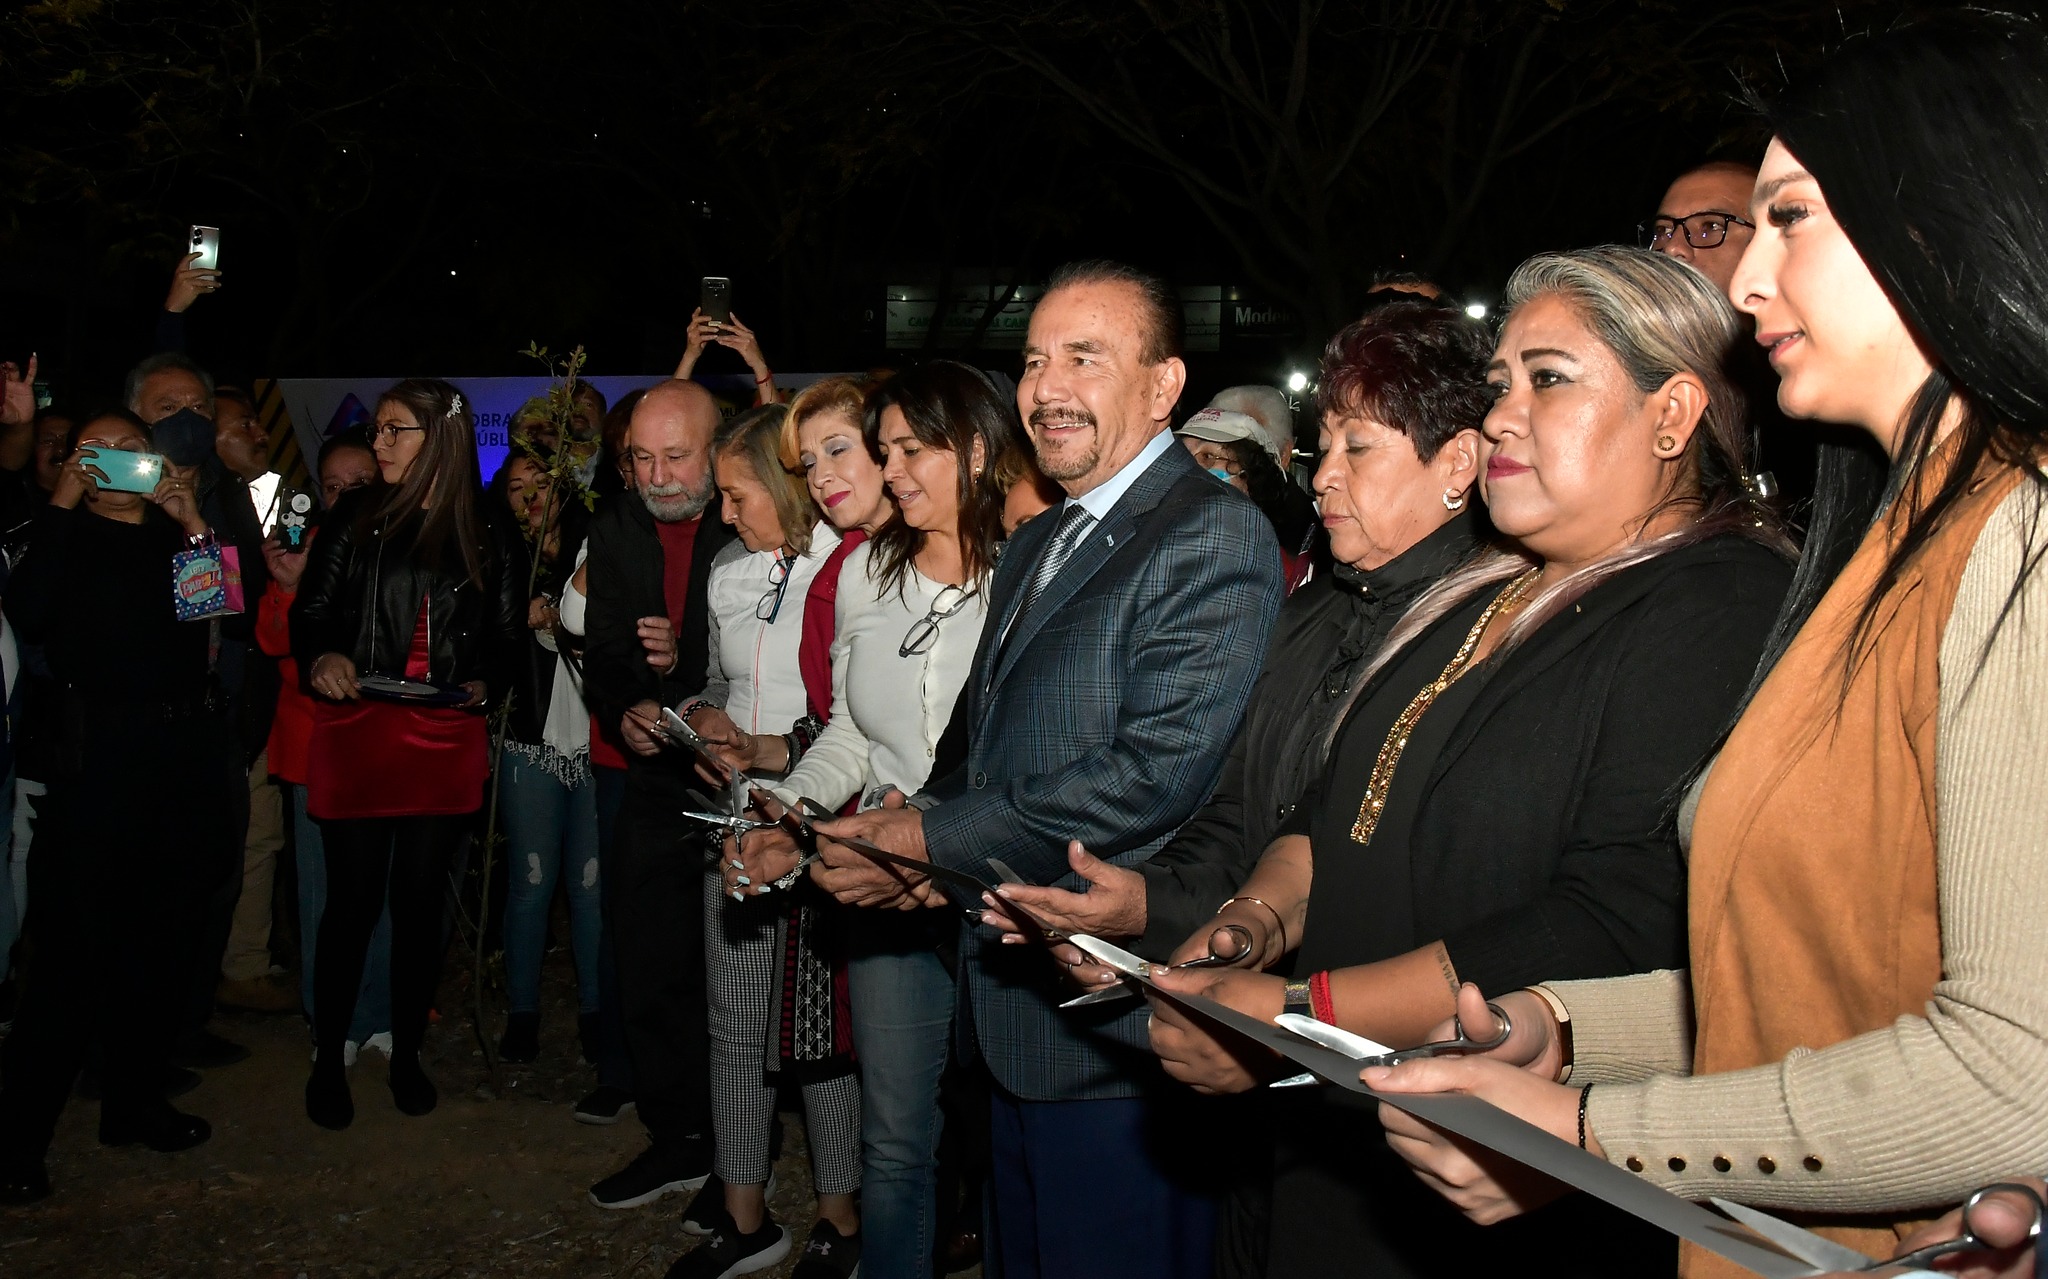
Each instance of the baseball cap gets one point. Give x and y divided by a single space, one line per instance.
1220 426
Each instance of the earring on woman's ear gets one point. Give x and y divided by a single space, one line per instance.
1454 500
1666 443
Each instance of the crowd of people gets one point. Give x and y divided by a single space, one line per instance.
1536 709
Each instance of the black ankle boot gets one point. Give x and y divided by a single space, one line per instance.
164 1130
327 1098
410 1087
521 1043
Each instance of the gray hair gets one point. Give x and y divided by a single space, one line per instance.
158 363
1660 317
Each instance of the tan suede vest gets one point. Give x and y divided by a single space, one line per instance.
1814 916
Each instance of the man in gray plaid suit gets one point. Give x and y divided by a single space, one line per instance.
1125 632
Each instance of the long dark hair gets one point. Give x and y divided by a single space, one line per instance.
446 469
1927 142
948 405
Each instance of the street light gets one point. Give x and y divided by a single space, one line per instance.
1477 310
1297 381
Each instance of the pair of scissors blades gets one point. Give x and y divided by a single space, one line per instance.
1827 1256
1124 990
1368 1052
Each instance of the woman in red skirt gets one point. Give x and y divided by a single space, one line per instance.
408 619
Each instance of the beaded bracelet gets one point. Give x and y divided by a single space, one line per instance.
1583 1094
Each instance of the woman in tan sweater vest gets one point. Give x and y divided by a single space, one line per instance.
1862 1036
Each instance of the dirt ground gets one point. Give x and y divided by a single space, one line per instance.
487 1185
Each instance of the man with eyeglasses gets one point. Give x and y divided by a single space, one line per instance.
1704 219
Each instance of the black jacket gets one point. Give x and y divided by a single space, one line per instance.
361 596
1540 848
1326 633
626 564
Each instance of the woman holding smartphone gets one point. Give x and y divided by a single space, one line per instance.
408 584
910 615
141 816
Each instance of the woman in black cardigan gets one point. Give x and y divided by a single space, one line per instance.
1494 803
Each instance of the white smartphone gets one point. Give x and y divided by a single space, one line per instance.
205 242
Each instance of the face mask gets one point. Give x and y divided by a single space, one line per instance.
1221 474
184 437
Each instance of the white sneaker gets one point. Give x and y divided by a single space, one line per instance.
381 1041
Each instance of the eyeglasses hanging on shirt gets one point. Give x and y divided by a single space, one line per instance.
925 632
778 584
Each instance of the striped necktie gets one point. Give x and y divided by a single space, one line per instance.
1075 522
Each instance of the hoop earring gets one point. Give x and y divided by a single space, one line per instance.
1453 500
1666 443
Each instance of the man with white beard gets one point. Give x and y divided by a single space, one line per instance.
648 623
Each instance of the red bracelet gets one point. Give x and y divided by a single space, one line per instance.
1319 998
763 381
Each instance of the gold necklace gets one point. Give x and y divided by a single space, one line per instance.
1397 737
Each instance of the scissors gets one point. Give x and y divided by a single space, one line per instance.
1831 1256
1367 1052
1214 959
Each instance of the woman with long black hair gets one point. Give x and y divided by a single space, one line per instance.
1863 1028
406 584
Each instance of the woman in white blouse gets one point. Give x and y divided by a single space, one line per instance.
911 609
757 590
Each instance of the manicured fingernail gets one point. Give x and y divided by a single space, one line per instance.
738 896
741 879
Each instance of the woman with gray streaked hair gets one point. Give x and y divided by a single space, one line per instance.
1493 806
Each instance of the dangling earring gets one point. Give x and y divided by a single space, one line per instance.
1666 443
1453 500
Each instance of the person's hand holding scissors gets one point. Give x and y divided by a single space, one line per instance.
856 879
1113 906
754 862
1200 1053
1517 1077
1994 1235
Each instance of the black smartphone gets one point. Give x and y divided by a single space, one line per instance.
205 242
714 298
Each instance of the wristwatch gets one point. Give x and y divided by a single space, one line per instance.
1296 999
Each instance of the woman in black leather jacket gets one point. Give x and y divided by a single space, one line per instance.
409 617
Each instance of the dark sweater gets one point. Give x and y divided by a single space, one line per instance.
1326 633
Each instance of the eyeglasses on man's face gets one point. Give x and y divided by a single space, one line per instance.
1704 230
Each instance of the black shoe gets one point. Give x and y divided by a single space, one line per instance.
410 1088
589 1036
23 1181
521 1043
165 1131
327 1097
204 1050
707 1208
726 1252
828 1254
604 1105
959 1251
655 1172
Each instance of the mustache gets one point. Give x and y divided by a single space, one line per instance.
1043 416
666 490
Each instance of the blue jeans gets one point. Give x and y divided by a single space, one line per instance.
902 1033
548 826
373 1002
